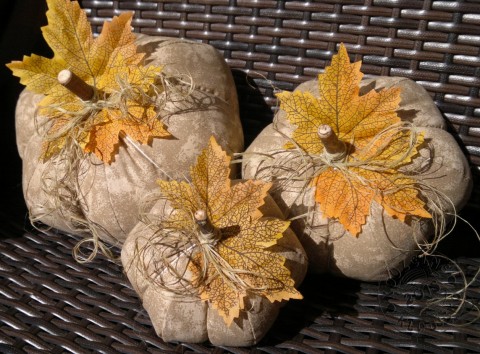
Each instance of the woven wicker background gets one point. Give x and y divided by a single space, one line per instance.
280 44
51 304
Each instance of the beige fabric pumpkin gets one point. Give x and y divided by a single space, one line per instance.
108 195
176 317
385 245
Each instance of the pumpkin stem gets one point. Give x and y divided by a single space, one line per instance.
75 84
208 232
335 149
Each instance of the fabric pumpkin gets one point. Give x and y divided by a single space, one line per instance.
108 195
186 318
385 244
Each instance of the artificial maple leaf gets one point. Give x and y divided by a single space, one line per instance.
107 63
245 235
377 146
104 135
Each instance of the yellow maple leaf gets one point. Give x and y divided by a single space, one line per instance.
234 259
109 64
370 146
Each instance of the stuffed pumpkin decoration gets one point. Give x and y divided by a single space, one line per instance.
213 259
364 168
105 117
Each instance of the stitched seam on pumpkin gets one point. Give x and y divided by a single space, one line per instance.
110 199
251 327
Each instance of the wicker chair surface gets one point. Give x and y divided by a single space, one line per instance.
50 303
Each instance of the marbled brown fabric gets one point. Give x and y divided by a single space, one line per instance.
109 196
187 318
385 244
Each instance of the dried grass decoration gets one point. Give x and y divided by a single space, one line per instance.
214 259
364 168
105 117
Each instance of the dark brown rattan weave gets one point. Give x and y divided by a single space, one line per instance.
51 304
283 43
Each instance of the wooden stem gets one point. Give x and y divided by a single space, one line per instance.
334 147
207 230
76 85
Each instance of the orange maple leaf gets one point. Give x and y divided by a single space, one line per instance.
122 99
234 259
363 148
